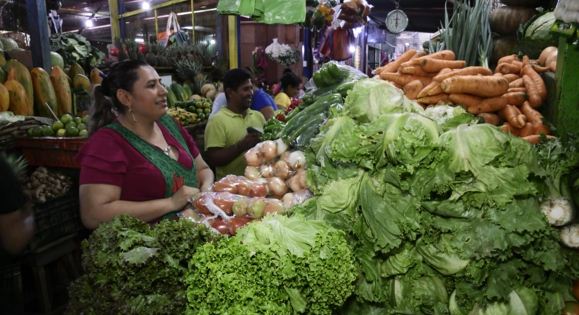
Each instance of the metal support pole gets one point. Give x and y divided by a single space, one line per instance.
156 22
233 31
193 21
38 30
308 53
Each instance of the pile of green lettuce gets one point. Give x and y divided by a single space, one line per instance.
277 266
133 268
442 213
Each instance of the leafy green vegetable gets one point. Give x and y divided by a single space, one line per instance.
76 48
277 266
370 98
131 268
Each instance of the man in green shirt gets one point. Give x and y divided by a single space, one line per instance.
226 134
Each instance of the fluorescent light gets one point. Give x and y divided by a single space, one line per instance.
212 41
146 5
88 23
139 40
352 49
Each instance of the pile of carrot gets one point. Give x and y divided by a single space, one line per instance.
509 96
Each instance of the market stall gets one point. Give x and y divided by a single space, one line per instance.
444 181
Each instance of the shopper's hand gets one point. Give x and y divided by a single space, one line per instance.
183 196
206 186
249 141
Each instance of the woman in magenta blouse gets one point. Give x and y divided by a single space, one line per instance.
138 160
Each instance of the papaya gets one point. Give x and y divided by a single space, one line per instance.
43 92
81 82
17 71
4 98
18 99
2 75
56 59
75 69
95 76
60 82
2 59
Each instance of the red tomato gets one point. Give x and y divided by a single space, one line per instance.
221 226
225 186
244 188
258 190
200 205
224 204
237 223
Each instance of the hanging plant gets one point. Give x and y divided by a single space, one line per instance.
282 53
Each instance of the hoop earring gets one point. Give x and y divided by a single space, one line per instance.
132 115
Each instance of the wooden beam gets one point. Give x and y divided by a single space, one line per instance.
233 40
37 27
193 21
115 28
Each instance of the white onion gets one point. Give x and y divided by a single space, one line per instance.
268 150
252 157
296 160
302 178
281 169
293 184
288 200
277 186
266 170
252 172
281 146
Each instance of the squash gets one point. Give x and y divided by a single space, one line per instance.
60 82
506 20
8 43
523 3
17 71
43 92
81 82
95 76
4 98
18 99
75 69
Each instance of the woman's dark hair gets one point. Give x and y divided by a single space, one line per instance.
290 79
235 78
122 75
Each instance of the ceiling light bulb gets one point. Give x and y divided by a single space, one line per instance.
212 41
89 23
352 49
146 5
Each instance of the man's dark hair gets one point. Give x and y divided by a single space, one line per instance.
290 79
235 78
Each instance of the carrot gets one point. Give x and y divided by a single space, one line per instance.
548 51
539 83
431 89
527 130
540 69
434 99
419 54
378 70
535 139
515 98
532 115
435 65
512 114
443 55
465 100
465 71
412 88
394 65
490 118
517 89
416 70
508 128
535 99
403 79
489 105
511 77
508 58
517 83
485 86
506 68
541 128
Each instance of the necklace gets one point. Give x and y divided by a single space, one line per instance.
167 151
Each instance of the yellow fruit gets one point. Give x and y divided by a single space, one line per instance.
95 77
61 84
75 69
17 71
4 98
18 98
43 92
81 82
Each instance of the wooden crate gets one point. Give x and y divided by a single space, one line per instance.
51 151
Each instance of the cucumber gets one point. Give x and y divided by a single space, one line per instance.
314 120
307 135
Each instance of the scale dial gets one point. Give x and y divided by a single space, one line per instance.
396 21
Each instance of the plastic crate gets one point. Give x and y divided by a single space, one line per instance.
51 151
55 219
